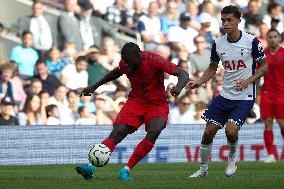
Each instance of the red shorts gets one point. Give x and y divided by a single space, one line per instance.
134 113
271 105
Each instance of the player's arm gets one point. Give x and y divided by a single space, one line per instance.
207 75
112 75
262 69
209 72
259 57
183 79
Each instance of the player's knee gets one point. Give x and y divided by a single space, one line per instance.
209 134
118 134
231 136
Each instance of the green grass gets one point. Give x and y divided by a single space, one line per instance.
249 175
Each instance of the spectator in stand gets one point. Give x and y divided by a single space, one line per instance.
25 56
205 23
110 55
182 114
40 28
76 76
49 81
35 87
272 92
52 114
86 118
252 16
193 10
88 102
208 7
149 26
138 12
101 116
263 29
92 28
199 110
18 87
274 10
95 70
3 46
183 34
119 14
73 101
44 98
6 88
69 52
59 99
68 26
170 17
33 113
6 118
200 59
55 64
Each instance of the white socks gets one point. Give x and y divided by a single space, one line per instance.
233 147
205 151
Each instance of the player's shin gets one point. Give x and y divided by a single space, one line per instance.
205 151
142 149
233 147
109 143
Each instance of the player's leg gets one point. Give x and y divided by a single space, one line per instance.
232 139
155 119
279 113
118 133
216 117
236 118
267 111
269 140
281 125
205 149
153 128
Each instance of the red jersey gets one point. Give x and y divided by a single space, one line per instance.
274 78
147 83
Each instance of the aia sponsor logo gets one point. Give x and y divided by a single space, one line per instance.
234 65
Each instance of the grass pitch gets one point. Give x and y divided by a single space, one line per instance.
164 176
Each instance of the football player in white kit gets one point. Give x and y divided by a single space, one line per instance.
239 53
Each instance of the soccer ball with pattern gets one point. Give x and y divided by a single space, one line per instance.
99 155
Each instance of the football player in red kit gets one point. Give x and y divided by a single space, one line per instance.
272 92
147 102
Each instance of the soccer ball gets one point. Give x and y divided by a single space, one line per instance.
99 155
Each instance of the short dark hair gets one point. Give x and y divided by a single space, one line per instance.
273 30
81 58
49 108
230 9
130 50
26 32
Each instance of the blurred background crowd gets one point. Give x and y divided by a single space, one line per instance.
57 55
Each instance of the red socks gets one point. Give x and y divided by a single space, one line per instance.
109 143
142 149
268 140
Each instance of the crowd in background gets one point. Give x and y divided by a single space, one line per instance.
41 78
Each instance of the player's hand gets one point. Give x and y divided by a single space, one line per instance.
174 91
241 85
192 85
87 91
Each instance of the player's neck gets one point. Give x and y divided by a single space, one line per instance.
234 36
274 50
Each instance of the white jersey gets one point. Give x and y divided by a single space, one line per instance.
239 60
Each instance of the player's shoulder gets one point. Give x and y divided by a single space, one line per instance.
248 36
